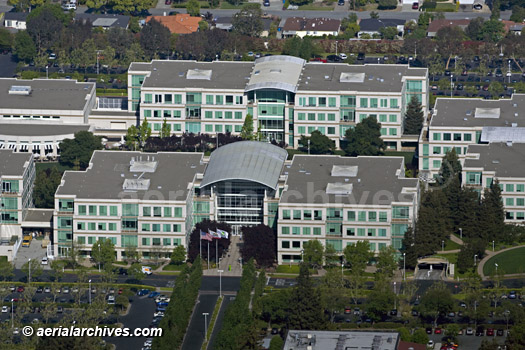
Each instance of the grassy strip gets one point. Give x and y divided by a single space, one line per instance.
212 322
508 262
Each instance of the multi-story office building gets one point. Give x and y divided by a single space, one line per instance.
136 200
502 162
36 115
458 123
152 201
17 175
342 200
287 97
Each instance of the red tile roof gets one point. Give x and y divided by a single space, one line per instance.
178 24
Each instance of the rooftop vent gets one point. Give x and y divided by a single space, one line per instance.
344 170
327 77
136 185
514 125
509 143
181 74
469 112
338 188
349 77
278 71
199 74
143 166
19 90
514 105
257 72
488 113
495 161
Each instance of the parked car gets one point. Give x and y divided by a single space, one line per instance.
469 331
5 309
47 290
341 2
153 294
438 331
266 3
500 332
60 309
415 6
428 330
44 261
143 292
20 289
348 310
111 300
490 332
146 270
343 56
480 331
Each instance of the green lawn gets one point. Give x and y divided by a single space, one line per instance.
173 267
451 245
312 7
508 262
290 269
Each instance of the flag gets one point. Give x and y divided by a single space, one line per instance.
205 236
214 234
223 233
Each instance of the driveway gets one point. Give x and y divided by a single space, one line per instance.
33 252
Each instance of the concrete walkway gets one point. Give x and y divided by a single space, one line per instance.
489 254
231 258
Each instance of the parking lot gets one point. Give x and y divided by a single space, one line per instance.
33 252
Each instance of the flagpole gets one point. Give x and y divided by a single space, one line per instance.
208 255
200 245
217 252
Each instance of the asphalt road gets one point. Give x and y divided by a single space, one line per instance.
195 334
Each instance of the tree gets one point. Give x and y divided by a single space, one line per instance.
44 26
36 270
357 257
386 263
495 88
409 249
247 128
58 267
437 300
493 30
495 10
131 255
365 139
103 252
317 143
333 294
25 49
165 130
46 184
380 300
305 48
313 253
248 21
420 336
193 8
452 331
304 304
388 33
474 28
135 271
413 122
155 39
260 244
203 26
195 240
179 255
78 151
6 39
374 15
6 270
132 137
518 14
143 133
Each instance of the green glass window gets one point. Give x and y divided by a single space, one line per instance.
297 215
103 210
363 102
373 103
145 241
194 97
81 240
81 226
322 101
331 117
384 103
509 188
436 164
392 118
321 117
436 150
112 226
113 210
92 226
350 231
148 98
509 201
425 149
177 99
166 241
146 227
129 241
307 215
383 216
392 132
238 115
296 230
414 86
146 211
520 188
317 231
218 128
285 230
227 115
177 211
166 228
400 212
306 231
176 227
394 103
167 212
91 240
351 216
520 202
286 214
331 130
382 118
447 137
381 232
301 116
371 232
208 128
219 99
383 131
361 232
372 216
436 136
208 114
218 115
92 210
301 130
361 216
311 101
331 102
130 209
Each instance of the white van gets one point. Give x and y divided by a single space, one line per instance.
146 270
69 6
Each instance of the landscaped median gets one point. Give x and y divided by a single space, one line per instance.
212 322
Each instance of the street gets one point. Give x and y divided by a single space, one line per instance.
195 333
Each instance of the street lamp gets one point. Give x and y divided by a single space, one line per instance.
442 245
336 45
205 314
343 262
99 258
47 71
460 233
492 245
496 264
302 252
451 85
395 297
29 263
404 267
89 291
475 259
12 318
220 282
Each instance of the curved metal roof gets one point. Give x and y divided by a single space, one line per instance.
246 160
276 72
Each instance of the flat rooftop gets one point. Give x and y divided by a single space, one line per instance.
476 112
13 163
377 77
340 340
45 94
39 215
507 160
174 74
36 129
111 171
346 180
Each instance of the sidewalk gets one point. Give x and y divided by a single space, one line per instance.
231 258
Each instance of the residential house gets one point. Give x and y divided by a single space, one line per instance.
178 24
15 20
373 26
437 24
302 26
104 21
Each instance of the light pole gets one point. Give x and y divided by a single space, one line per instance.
308 146
12 318
29 263
492 245
302 252
99 258
395 297
442 245
336 45
404 267
220 282
343 262
460 233
451 85
475 259
205 314
496 264
47 71
90 292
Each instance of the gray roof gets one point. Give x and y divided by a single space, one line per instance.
246 160
505 160
373 25
39 215
13 163
461 112
46 94
276 72
502 134
110 169
377 78
104 20
338 340
377 181
39 129
173 74
19 16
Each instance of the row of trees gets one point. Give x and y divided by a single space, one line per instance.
179 310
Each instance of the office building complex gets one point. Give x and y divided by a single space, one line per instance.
286 96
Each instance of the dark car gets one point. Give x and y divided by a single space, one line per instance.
393 312
480 331
428 330
360 56
333 58
460 87
500 332
275 330
122 271
143 292
266 3
341 2
39 290
447 73
415 6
